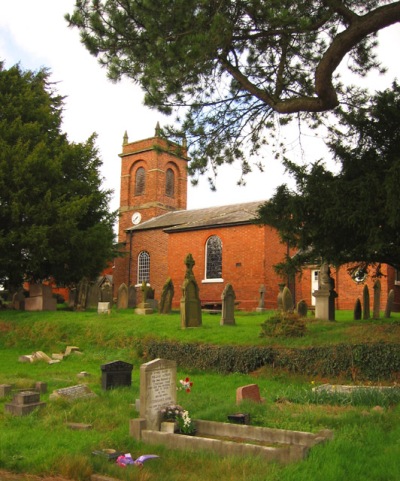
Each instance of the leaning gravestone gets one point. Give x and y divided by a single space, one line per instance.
377 299
366 308
228 306
122 299
190 301
157 390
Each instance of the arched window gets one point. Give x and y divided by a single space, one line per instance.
143 267
170 183
140 181
214 258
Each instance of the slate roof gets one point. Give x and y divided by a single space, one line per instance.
181 220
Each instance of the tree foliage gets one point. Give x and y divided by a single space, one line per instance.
54 216
352 216
230 65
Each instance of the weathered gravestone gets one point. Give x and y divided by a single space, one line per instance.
145 307
106 294
190 301
287 300
5 390
71 393
18 301
357 310
366 308
93 296
40 298
325 295
261 301
167 294
122 299
157 390
228 306
389 303
302 308
103 308
116 374
279 298
24 403
377 299
131 297
83 289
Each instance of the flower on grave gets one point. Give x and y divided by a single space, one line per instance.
185 423
171 413
186 384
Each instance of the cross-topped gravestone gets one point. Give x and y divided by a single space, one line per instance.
157 390
190 301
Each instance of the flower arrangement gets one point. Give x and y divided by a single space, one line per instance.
171 413
186 424
185 384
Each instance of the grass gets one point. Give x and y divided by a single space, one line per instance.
365 447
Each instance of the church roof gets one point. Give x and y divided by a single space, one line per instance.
195 219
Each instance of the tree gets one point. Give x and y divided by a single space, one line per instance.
352 216
230 65
54 217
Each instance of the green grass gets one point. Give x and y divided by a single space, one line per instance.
365 447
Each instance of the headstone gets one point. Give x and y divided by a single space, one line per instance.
145 307
103 308
261 301
377 299
5 390
18 301
71 393
40 298
389 303
116 374
24 402
157 390
250 392
106 294
83 288
287 300
41 387
190 301
72 297
228 306
366 308
325 295
357 310
167 295
122 299
302 308
131 297
93 296
279 298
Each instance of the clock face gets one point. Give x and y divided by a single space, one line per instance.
136 218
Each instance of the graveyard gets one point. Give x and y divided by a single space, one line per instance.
91 405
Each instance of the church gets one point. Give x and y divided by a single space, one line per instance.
157 231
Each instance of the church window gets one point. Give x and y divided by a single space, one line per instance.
140 181
214 258
143 267
170 183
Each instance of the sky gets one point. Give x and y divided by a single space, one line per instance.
35 34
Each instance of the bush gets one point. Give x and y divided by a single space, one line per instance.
284 324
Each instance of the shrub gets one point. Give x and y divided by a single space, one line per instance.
284 324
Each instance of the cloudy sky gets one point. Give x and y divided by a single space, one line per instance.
35 34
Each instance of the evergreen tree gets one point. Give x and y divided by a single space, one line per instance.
352 216
54 216
230 65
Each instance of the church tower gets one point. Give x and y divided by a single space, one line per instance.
153 180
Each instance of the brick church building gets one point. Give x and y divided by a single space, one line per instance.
157 232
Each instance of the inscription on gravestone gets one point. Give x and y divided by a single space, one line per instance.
157 389
80 391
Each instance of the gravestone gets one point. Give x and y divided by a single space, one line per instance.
377 299
93 296
325 295
131 297
261 301
144 307
389 303
40 298
366 308
157 390
302 308
83 288
106 294
18 301
24 402
287 300
116 374
5 390
228 306
280 294
103 308
357 310
122 299
190 301
73 297
250 392
71 393
167 294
